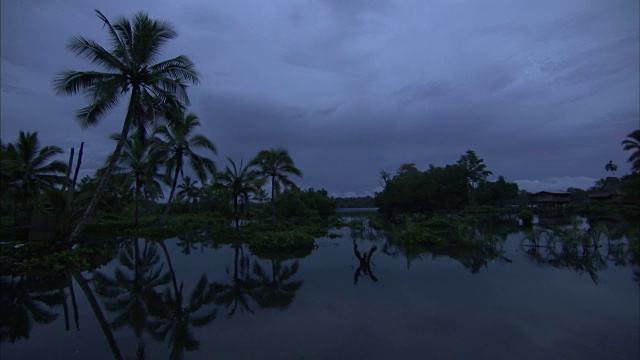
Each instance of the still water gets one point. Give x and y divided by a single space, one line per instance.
198 299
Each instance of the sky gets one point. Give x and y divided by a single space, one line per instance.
544 91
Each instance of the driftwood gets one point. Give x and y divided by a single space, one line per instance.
365 263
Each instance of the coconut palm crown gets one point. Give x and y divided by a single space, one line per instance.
633 144
277 164
176 142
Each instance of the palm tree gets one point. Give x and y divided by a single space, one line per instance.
611 167
130 68
31 169
239 182
177 141
189 190
140 162
277 164
261 195
633 144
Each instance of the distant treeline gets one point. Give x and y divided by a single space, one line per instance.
355 202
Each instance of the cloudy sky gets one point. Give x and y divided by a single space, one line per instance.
543 91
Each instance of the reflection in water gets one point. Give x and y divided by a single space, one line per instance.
142 296
276 291
365 263
24 300
474 245
180 315
132 294
576 249
240 289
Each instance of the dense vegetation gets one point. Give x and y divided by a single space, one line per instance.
448 188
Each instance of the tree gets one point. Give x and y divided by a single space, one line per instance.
277 164
189 190
238 181
130 68
633 144
175 141
476 171
140 162
30 168
611 167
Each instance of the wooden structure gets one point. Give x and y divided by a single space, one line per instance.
551 197
611 191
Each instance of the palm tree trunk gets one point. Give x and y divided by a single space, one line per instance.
173 190
137 202
67 177
273 199
88 213
235 211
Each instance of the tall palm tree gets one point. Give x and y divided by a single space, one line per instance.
31 168
177 141
277 164
633 144
239 182
140 162
131 68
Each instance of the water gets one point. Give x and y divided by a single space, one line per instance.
499 302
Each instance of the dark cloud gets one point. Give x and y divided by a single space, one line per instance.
543 91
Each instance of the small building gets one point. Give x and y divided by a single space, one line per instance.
551 197
611 191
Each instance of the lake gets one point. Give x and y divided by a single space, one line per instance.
518 296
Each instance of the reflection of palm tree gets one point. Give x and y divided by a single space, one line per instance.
20 305
275 291
179 316
176 318
132 292
97 311
241 288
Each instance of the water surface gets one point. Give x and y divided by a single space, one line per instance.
506 300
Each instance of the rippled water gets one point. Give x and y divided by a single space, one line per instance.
507 300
